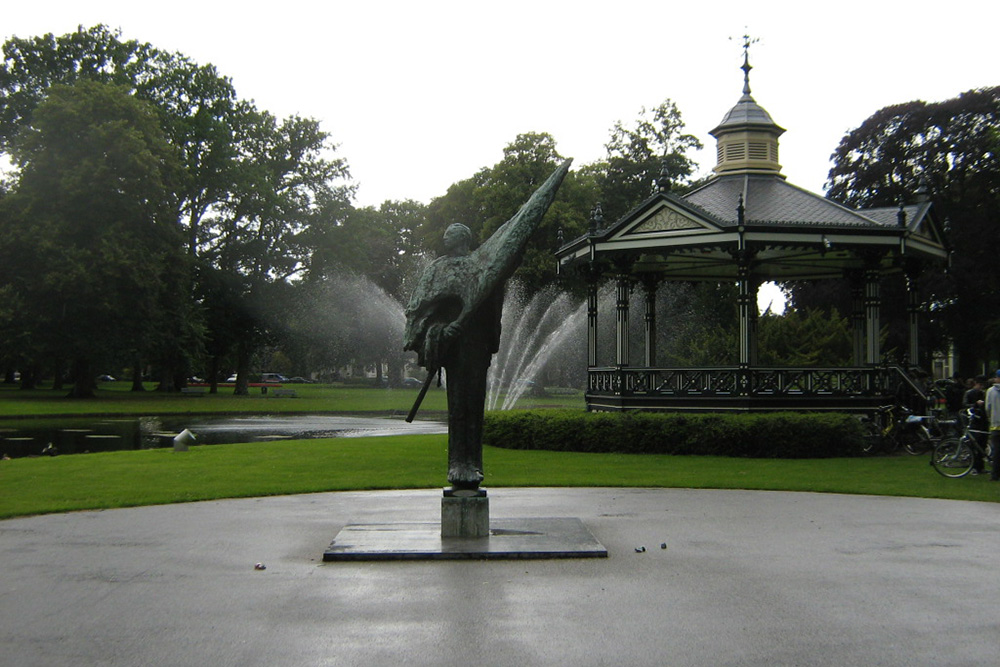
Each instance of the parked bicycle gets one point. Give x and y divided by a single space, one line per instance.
893 426
957 457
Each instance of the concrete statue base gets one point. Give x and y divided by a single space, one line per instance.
465 513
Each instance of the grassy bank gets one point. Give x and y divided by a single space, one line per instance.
115 398
124 479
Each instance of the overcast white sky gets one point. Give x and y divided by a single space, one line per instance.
421 94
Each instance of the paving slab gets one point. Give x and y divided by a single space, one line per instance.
745 578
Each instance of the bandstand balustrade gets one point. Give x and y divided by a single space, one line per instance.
734 388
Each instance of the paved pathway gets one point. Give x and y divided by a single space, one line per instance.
747 578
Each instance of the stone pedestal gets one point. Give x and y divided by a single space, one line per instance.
465 513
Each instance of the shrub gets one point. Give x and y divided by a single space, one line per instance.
766 435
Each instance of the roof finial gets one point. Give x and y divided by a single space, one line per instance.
747 41
596 218
663 181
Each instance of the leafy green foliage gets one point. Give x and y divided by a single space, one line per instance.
953 149
699 324
92 222
198 109
251 193
494 195
772 435
808 337
640 155
375 242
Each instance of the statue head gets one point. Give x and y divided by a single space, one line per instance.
457 240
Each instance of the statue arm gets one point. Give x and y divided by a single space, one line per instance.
433 308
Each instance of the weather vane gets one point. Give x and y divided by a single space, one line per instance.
747 41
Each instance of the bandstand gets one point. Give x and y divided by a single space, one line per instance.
748 225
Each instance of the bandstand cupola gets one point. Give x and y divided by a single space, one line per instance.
747 136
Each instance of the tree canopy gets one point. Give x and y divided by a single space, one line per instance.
951 149
639 155
248 188
92 224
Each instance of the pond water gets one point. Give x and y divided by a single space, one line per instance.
20 438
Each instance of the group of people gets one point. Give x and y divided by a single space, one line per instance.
983 406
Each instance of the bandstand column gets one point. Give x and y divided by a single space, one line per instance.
747 302
593 278
592 325
857 282
754 319
623 287
873 306
913 311
650 283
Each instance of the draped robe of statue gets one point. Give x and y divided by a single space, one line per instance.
453 322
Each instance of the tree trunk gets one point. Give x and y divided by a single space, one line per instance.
242 370
137 375
83 380
29 377
180 378
166 380
58 370
213 374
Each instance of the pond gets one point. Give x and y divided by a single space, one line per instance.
20 438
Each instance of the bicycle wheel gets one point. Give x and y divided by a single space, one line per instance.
918 442
872 436
953 458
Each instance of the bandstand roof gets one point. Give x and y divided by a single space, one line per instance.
793 234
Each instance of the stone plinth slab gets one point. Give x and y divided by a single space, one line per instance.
508 539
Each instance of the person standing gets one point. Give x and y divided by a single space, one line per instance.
973 401
993 413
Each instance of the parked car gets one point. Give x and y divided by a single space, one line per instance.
298 380
273 377
105 378
412 382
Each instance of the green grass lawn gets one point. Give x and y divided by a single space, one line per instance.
115 398
132 478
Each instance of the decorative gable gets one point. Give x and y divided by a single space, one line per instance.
667 220
925 227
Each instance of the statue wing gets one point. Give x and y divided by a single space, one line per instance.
499 256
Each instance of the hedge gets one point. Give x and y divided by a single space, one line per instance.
766 435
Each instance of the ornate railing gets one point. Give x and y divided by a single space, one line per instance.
755 383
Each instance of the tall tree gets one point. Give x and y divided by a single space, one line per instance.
639 155
951 148
251 186
197 107
93 224
374 242
288 192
